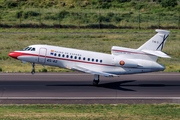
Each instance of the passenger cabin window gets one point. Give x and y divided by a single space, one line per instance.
67 56
55 54
96 60
75 57
63 55
84 58
93 60
88 59
71 57
100 61
79 58
59 55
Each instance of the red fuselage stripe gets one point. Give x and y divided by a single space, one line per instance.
23 54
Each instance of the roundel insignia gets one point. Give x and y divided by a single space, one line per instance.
121 62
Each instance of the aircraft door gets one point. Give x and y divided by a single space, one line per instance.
42 55
113 61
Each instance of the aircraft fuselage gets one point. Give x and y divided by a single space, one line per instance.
70 58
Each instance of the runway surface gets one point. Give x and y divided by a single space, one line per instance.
77 88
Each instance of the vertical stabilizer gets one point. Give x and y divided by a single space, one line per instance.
157 42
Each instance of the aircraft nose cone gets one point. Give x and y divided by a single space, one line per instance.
14 54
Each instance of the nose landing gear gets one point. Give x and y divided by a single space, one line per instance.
33 68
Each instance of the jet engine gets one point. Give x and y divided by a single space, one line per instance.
123 62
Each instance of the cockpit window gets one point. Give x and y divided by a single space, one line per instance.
33 49
29 48
26 48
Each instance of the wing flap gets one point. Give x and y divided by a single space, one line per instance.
86 70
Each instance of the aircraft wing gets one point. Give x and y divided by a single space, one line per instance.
87 70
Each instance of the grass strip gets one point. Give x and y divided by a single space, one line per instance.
36 30
113 112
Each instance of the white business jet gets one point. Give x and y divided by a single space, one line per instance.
120 61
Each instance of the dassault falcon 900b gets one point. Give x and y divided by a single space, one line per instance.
120 61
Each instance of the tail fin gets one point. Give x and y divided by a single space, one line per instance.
150 50
157 42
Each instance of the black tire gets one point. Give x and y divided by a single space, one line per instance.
95 82
33 71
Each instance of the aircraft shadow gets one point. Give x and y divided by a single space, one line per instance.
118 85
111 85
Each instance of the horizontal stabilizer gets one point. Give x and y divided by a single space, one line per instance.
162 31
156 53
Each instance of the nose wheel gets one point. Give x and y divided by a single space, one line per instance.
33 68
96 80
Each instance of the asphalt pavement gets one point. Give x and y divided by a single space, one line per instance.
77 88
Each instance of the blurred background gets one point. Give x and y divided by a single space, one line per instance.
118 14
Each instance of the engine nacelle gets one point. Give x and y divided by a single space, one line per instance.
122 62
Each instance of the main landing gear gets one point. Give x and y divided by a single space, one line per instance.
96 80
33 69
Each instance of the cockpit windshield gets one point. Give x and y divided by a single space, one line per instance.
25 48
29 49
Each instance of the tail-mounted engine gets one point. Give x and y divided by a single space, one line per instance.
122 62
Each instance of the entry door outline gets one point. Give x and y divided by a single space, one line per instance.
42 55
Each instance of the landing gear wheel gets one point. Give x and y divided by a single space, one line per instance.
33 69
95 82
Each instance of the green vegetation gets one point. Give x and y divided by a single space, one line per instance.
113 112
92 42
38 30
44 70
104 4
136 14
57 14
